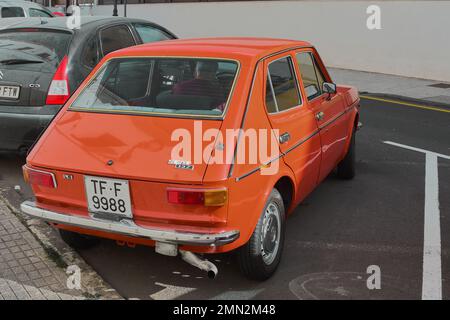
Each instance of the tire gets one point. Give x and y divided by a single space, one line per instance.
259 259
78 241
346 168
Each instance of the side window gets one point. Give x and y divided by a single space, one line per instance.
281 88
115 38
12 12
38 13
90 53
311 75
149 33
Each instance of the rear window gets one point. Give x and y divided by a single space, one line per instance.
45 45
172 86
12 12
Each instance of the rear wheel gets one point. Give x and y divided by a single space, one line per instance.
260 256
346 168
78 241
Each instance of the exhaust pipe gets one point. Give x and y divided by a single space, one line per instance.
202 264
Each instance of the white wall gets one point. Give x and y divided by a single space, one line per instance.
414 40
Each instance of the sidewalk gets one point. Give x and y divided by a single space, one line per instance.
31 270
378 83
26 270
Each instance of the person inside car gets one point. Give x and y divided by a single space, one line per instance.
204 83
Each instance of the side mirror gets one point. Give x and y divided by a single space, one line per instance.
329 87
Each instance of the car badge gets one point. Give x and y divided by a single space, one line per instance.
181 164
68 177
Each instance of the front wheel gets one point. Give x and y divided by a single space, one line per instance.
260 256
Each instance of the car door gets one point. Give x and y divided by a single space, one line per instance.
115 37
329 110
295 122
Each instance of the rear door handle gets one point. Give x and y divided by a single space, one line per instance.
320 115
285 137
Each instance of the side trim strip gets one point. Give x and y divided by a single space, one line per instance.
298 144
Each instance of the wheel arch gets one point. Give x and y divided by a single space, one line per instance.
285 186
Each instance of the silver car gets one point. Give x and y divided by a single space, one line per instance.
18 8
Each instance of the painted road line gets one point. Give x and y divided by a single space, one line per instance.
432 264
408 104
432 273
238 295
404 146
170 292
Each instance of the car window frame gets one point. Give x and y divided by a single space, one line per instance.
267 63
103 28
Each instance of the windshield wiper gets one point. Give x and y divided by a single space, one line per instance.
19 61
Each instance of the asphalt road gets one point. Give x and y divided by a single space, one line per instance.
342 228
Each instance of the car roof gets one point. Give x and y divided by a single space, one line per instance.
226 47
60 23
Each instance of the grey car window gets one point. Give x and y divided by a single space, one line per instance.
38 13
151 34
115 38
12 12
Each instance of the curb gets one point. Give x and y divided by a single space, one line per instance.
92 284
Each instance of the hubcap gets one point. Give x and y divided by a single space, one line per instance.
270 235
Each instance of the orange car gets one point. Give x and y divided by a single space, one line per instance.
194 146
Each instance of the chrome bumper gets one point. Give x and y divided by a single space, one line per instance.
129 228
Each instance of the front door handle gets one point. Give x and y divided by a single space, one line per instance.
285 137
320 115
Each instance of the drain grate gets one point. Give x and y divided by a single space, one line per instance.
440 85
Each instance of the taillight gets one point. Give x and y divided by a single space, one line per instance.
59 91
39 177
206 197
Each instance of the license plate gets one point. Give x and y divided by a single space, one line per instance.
9 92
110 196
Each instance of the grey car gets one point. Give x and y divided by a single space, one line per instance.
18 8
43 61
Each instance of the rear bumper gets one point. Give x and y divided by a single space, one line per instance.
21 126
131 229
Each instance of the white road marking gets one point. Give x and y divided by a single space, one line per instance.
432 264
237 295
170 292
404 146
432 273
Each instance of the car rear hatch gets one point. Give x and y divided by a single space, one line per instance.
29 59
125 146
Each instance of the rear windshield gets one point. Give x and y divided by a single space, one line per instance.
172 86
44 45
